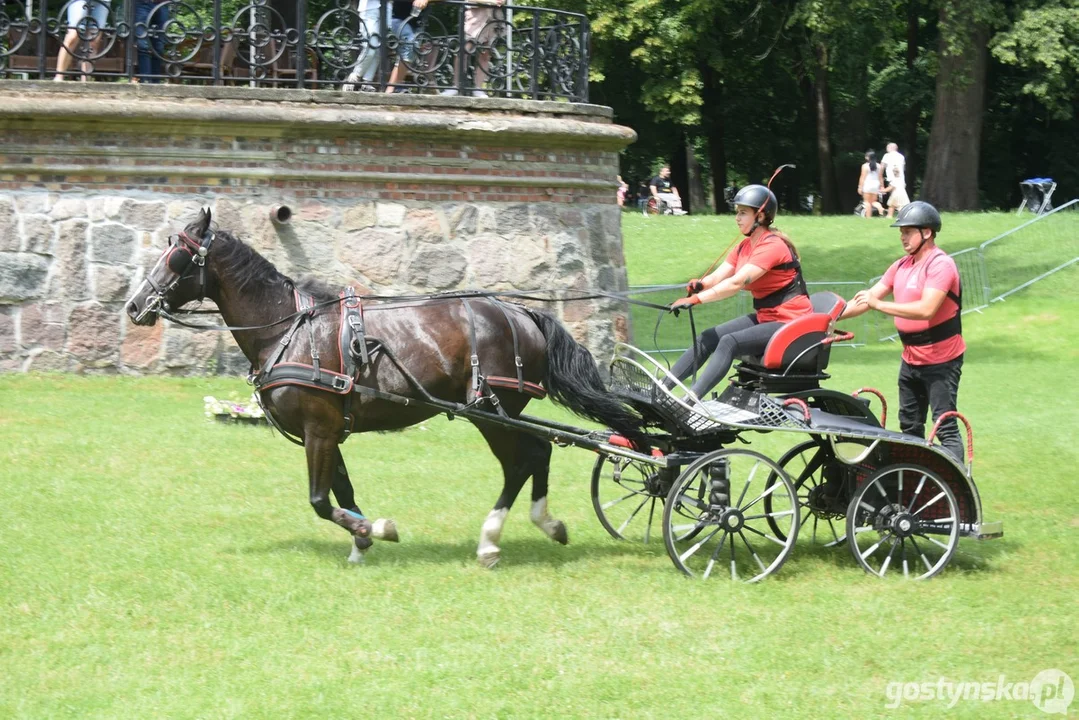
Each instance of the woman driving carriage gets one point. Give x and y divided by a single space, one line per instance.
765 263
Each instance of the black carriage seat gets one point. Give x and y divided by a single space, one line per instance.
796 356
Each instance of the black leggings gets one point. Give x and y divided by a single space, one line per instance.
741 336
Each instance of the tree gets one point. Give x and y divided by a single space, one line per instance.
1044 41
951 173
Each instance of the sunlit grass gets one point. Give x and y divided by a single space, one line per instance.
156 564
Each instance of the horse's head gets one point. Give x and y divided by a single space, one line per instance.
178 277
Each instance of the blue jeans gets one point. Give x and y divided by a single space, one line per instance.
405 34
151 28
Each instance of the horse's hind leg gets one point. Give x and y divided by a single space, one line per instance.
522 456
541 462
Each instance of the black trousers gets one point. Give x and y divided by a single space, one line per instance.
922 387
741 336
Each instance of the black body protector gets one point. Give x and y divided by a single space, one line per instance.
764 200
922 215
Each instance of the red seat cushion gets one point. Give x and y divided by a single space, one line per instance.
789 333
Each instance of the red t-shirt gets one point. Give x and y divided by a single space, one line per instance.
769 252
908 279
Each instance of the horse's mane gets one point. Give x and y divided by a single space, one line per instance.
253 274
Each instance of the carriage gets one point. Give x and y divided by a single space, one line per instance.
330 365
900 503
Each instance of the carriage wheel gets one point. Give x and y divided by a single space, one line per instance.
904 519
821 517
627 497
715 516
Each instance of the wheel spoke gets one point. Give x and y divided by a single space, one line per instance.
766 536
698 545
917 492
756 500
648 527
933 540
632 515
686 499
923 507
834 533
715 555
810 468
734 567
888 560
611 503
752 552
873 548
928 565
779 513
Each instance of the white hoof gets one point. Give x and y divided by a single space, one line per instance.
383 529
488 560
356 557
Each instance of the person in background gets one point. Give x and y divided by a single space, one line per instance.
92 16
897 191
766 264
892 161
363 73
152 17
401 17
660 186
869 184
927 307
480 24
620 194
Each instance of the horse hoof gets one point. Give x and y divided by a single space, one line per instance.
361 542
384 529
489 560
357 556
559 534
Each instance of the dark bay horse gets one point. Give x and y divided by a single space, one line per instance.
432 340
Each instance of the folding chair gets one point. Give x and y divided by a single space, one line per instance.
1036 195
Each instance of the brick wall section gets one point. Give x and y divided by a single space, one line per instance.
421 193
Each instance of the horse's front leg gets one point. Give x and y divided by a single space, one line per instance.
323 460
381 528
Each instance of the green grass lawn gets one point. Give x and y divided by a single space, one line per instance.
155 564
847 249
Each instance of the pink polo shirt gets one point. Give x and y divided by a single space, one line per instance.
908 279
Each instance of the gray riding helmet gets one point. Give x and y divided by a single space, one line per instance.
918 214
758 196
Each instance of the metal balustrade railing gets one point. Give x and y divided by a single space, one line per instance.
450 46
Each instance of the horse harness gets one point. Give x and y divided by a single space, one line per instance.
357 350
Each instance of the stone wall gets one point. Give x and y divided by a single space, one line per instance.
421 194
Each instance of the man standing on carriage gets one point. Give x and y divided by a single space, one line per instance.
926 307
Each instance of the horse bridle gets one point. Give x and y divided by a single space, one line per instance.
183 257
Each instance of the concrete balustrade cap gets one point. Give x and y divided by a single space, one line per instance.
270 112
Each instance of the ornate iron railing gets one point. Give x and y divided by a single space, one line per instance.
450 46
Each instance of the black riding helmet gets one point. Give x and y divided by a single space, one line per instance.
761 198
920 215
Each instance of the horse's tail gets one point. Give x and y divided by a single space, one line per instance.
573 380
